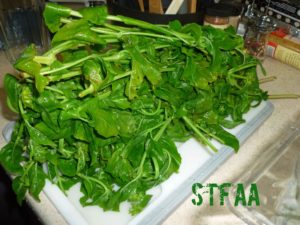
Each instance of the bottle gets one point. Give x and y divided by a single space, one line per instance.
284 46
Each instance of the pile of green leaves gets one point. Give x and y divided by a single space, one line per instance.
105 104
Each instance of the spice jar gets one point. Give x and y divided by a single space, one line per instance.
256 34
222 15
217 16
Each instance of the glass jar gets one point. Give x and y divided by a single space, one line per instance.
21 24
256 34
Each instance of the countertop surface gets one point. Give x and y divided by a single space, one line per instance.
286 112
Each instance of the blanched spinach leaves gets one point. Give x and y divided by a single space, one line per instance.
105 104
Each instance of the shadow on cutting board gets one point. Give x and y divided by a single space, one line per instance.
10 212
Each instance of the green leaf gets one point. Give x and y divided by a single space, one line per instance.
198 106
104 123
121 195
93 74
40 82
82 131
52 14
226 137
136 79
27 98
26 63
96 15
51 171
38 137
20 188
126 123
177 131
120 168
37 180
138 202
135 149
67 183
195 75
47 100
152 73
178 95
175 25
38 152
166 156
12 89
67 167
82 154
78 30
11 157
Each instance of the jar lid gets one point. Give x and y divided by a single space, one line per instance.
265 23
223 10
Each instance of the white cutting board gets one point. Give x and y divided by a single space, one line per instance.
198 162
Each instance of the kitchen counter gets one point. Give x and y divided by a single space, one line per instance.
286 111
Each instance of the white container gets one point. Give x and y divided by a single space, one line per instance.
198 163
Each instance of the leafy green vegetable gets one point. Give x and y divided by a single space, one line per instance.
54 12
12 89
105 104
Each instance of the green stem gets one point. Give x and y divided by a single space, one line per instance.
152 113
54 90
110 40
48 70
20 131
162 129
104 31
200 135
238 76
76 14
65 20
28 168
145 25
149 35
65 76
211 134
139 172
241 67
242 53
87 91
65 46
22 112
123 54
59 180
122 33
94 180
118 77
282 96
25 75
152 128
117 28
156 167
267 79
47 60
